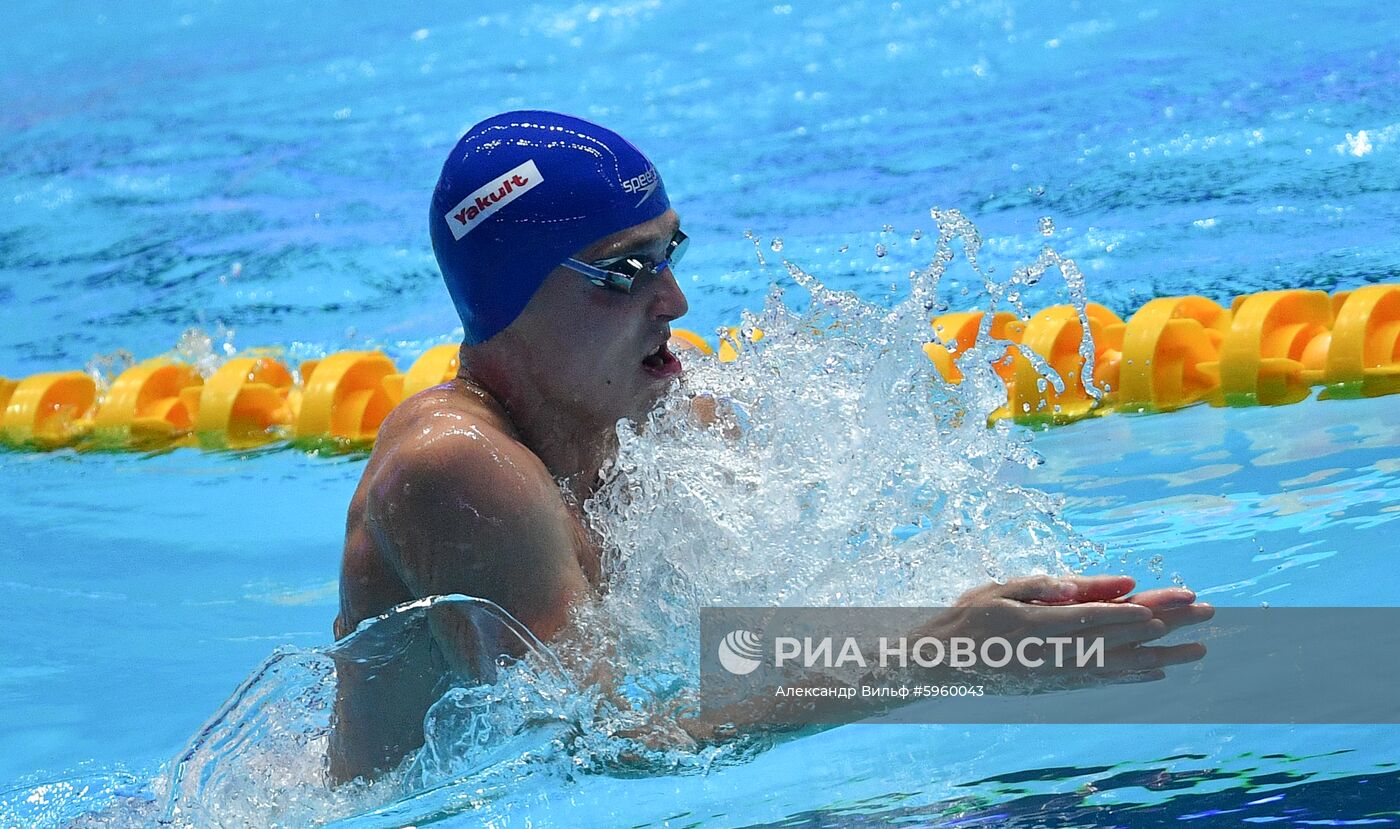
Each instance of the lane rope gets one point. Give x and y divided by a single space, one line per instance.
1268 348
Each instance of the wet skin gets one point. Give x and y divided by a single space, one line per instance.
462 493
474 487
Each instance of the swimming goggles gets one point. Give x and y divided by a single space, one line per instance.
620 272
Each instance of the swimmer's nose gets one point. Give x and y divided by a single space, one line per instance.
669 301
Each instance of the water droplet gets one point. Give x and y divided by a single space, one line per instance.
881 250
1047 226
888 229
844 248
777 244
918 234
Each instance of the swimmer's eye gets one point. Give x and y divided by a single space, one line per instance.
621 272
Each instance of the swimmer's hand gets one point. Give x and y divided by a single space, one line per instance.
1036 606
1087 607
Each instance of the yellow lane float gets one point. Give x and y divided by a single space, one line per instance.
147 404
242 402
1055 335
1361 354
1165 345
346 396
960 331
49 410
436 365
1261 359
1266 348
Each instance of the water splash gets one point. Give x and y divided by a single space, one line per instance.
105 368
841 470
206 350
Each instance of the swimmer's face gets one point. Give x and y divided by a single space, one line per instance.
601 351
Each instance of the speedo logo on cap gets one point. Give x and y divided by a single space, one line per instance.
490 197
644 183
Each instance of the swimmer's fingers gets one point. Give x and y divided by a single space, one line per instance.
1016 620
1180 617
1162 598
1133 633
1175 606
1162 623
1076 618
1053 590
1121 646
1077 682
1126 664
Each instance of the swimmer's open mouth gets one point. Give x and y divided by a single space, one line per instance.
661 363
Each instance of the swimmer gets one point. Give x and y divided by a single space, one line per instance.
556 239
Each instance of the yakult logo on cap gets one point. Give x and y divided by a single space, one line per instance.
644 183
490 197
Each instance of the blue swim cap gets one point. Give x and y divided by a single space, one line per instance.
520 193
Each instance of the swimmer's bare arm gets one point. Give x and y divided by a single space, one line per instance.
469 510
1031 606
474 512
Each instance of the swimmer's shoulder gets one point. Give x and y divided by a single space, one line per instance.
432 482
443 410
448 444
460 505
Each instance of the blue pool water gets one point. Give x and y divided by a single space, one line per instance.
259 172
